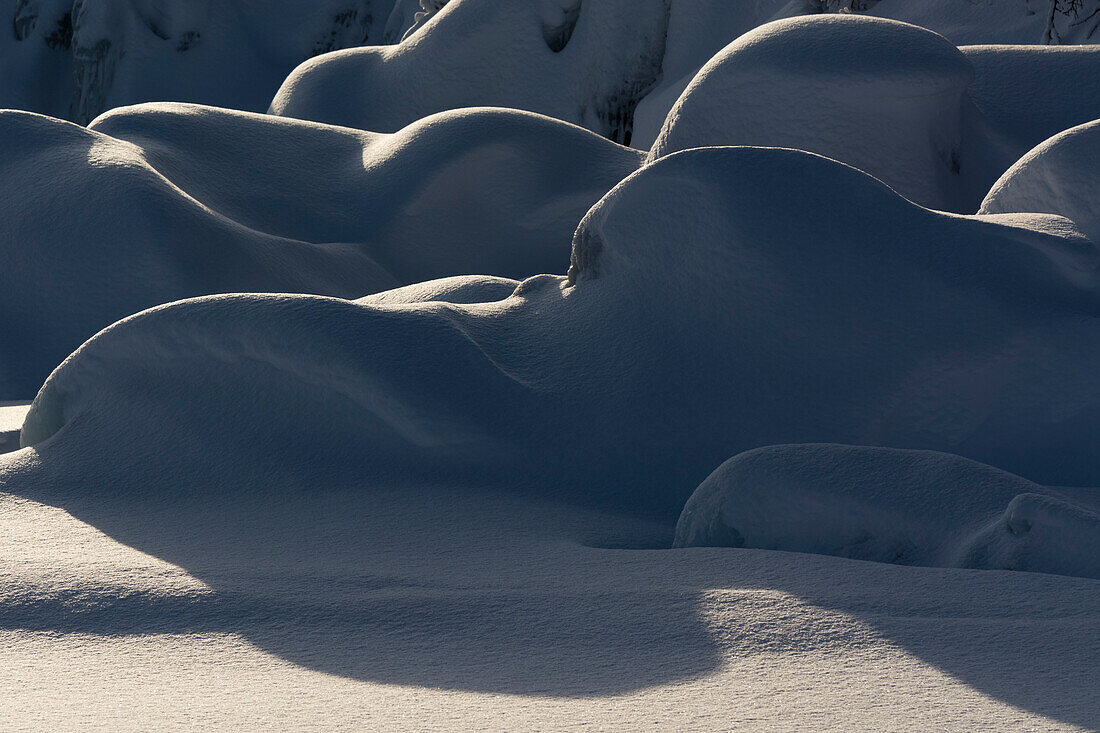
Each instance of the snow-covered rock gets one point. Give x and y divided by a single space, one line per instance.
162 202
898 506
719 299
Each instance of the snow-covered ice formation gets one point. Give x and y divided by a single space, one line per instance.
160 202
897 506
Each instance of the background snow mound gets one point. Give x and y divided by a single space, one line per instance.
892 110
629 383
187 200
1057 177
484 52
899 506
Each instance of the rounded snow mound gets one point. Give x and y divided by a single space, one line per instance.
709 310
883 96
1057 177
588 62
889 505
162 202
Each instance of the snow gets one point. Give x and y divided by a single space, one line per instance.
391 410
77 59
888 505
1057 177
12 415
615 385
896 114
441 610
484 52
173 201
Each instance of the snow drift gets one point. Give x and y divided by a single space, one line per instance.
162 202
814 304
897 506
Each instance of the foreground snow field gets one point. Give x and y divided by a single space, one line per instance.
385 411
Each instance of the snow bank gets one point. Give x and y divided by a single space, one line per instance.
163 202
709 309
589 63
898 506
893 111
76 59
1057 177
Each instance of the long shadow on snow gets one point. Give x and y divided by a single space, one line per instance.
494 593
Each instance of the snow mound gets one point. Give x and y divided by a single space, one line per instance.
1057 177
161 202
898 506
653 362
588 63
893 111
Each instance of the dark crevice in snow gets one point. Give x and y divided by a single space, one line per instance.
557 36
24 19
61 37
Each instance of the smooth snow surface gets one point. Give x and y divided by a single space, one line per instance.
907 507
409 608
161 202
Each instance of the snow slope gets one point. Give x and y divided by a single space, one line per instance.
161 202
628 382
